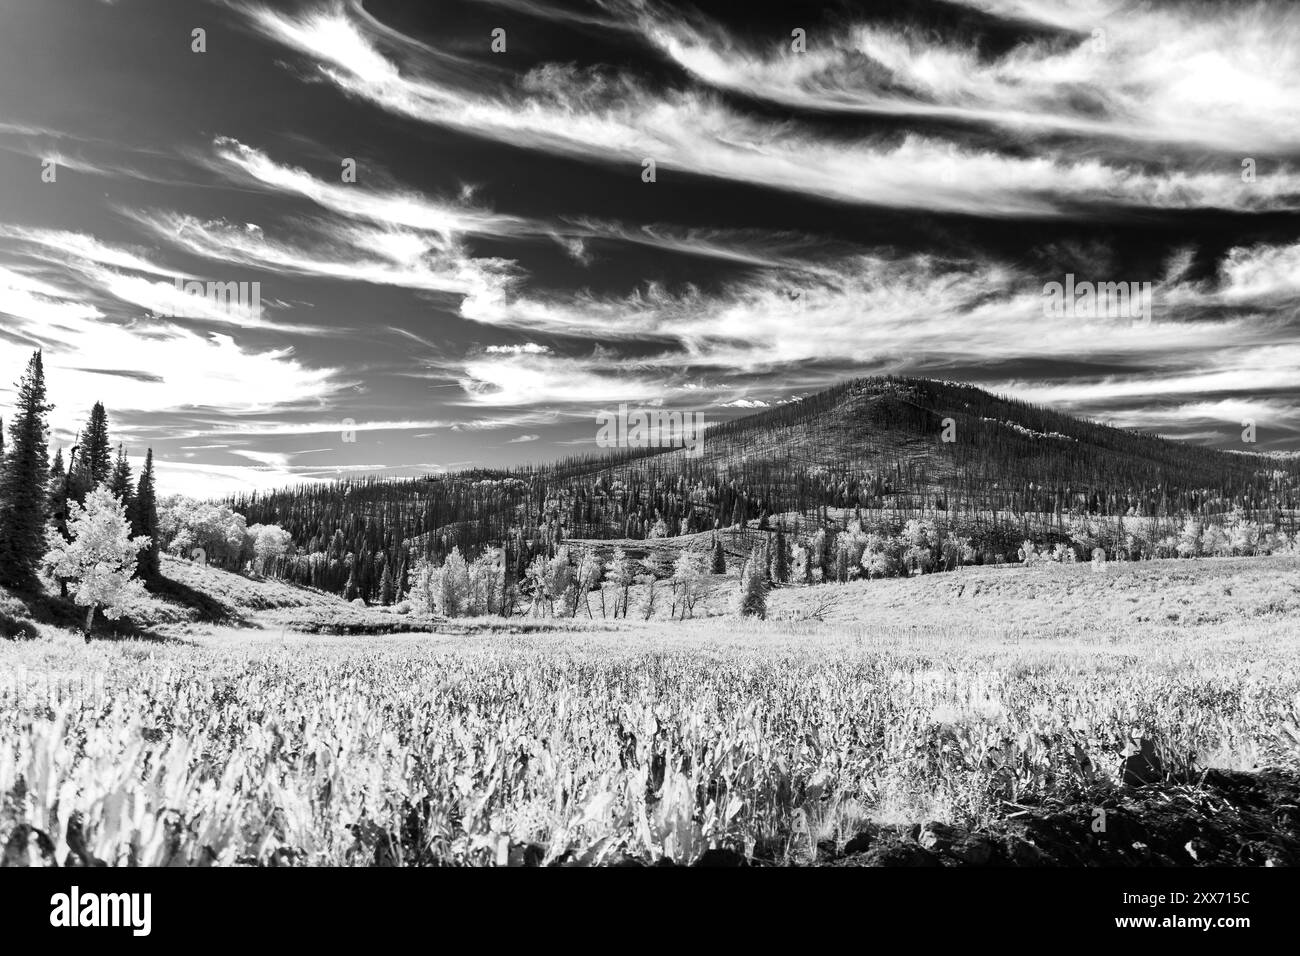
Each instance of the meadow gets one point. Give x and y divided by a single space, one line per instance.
774 741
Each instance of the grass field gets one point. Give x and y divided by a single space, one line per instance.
779 740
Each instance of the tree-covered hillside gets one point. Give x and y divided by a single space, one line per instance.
896 445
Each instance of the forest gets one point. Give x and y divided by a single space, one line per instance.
867 456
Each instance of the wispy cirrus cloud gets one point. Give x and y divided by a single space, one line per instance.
891 200
614 118
1224 77
345 252
450 219
1224 336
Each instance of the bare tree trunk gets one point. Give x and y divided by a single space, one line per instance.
90 620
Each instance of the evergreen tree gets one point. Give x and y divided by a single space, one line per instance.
95 464
77 481
144 521
58 479
387 590
753 587
58 486
781 562
719 565
399 593
119 482
738 515
23 497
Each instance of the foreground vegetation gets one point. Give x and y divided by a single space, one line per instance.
780 740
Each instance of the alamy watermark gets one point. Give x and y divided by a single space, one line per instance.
1097 300
231 297
651 428
129 910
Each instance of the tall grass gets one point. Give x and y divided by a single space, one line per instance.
658 742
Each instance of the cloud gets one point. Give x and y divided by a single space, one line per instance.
613 119
1223 76
203 481
448 219
381 256
147 367
112 272
442 224
528 348
907 314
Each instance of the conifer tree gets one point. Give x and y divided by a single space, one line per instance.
95 464
58 497
58 478
77 479
780 561
753 587
144 521
23 477
119 482
719 565
738 515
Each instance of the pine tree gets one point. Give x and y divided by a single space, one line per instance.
144 521
719 565
95 464
399 593
57 485
58 497
780 562
77 481
753 585
386 587
23 496
119 482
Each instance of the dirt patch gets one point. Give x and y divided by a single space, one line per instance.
1226 819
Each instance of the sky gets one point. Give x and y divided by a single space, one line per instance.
558 208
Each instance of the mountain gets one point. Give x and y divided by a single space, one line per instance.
949 436
875 445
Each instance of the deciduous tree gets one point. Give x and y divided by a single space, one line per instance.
98 556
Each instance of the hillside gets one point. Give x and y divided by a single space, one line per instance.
881 424
188 594
870 445
195 601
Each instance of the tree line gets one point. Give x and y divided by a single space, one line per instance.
87 522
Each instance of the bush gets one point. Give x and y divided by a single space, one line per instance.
14 627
